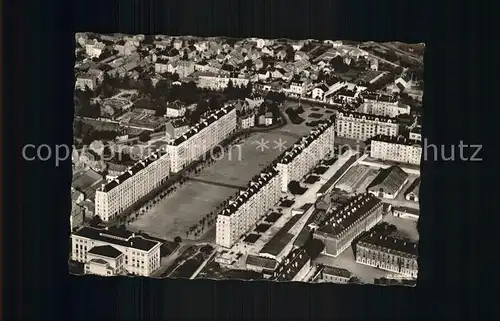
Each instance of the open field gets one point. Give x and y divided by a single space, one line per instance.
172 216
244 162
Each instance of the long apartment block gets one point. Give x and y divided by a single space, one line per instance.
120 193
201 138
362 126
398 149
306 153
245 210
346 223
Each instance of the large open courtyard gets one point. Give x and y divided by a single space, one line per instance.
183 208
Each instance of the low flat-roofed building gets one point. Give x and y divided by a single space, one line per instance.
406 212
259 263
389 253
347 222
413 191
87 182
294 267
416 133
141 255
104 260
276 247
389 182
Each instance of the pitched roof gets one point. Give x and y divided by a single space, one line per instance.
389 180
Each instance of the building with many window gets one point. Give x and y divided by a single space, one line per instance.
201 138
398 149
113 251
216 81
246 209
382 105
330 274
176 128
294 267
117 195
389 253
347 222
306 153
364 126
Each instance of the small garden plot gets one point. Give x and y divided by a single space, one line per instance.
320 170
252 238
311 179
262 228
315 115
286 204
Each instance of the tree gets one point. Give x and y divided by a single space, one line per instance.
144 136
290 54
295 188
177 239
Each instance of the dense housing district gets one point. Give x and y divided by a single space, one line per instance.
250 159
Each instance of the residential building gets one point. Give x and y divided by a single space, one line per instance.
348 221
104 260
111 251
115 170
294 268
330 274
364 126
388 183
412 193
77 217
298 88
247 121
416 134
306 153
201 138
117 195
319 91
175 109
219 82
176 128
84 81
269 118
389 253
177 44
398 149
125 48
406 212
94 48
246 209
161 65
383 105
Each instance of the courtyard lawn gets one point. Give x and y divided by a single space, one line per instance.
174 215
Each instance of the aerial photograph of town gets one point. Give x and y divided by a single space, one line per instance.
246 159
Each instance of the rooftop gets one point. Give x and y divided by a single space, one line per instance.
278 242
405 209
106 251
389 179
140 165
292 264
344 216
400 140
202 125
390 243
363 116
335 271
263 262
117 236
414 187
290 154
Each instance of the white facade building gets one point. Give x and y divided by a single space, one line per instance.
245 210
306 153
398 149
364 126
247 121
219 82
119 194
201 138
112 251
84 81
383 105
